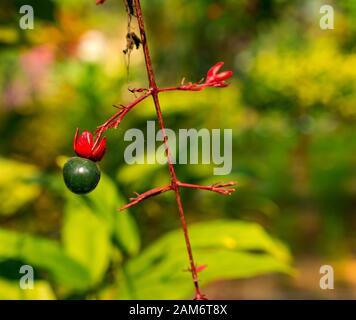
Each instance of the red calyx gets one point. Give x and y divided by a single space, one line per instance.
85 147
100 1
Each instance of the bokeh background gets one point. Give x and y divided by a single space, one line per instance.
292 108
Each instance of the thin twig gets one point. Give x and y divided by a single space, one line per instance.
115 119
148 194
218 188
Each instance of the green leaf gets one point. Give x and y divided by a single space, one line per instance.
16 185
86 238
230 249
104 201
10 290
43 254
126 233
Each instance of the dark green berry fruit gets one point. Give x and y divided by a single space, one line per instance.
81 175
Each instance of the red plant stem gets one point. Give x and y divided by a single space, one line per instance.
115 119
148 194
170 89
219 188
174 180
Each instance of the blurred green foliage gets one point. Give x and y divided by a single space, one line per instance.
291 106
98 255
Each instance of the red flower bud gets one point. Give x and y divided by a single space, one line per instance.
214 70
214 77
223 75
85 147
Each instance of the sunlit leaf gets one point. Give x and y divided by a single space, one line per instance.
105 201
230 250
86 238
16 185
10 290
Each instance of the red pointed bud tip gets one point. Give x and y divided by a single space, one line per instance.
223 75
100 1
200 268
214 70
85 148
216 78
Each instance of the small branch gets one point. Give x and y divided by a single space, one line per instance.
194 86
169 89
148 194
214 78
115 119
218 188
184 87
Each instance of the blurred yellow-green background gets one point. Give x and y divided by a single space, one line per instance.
292 108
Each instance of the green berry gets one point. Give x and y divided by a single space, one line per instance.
81 175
